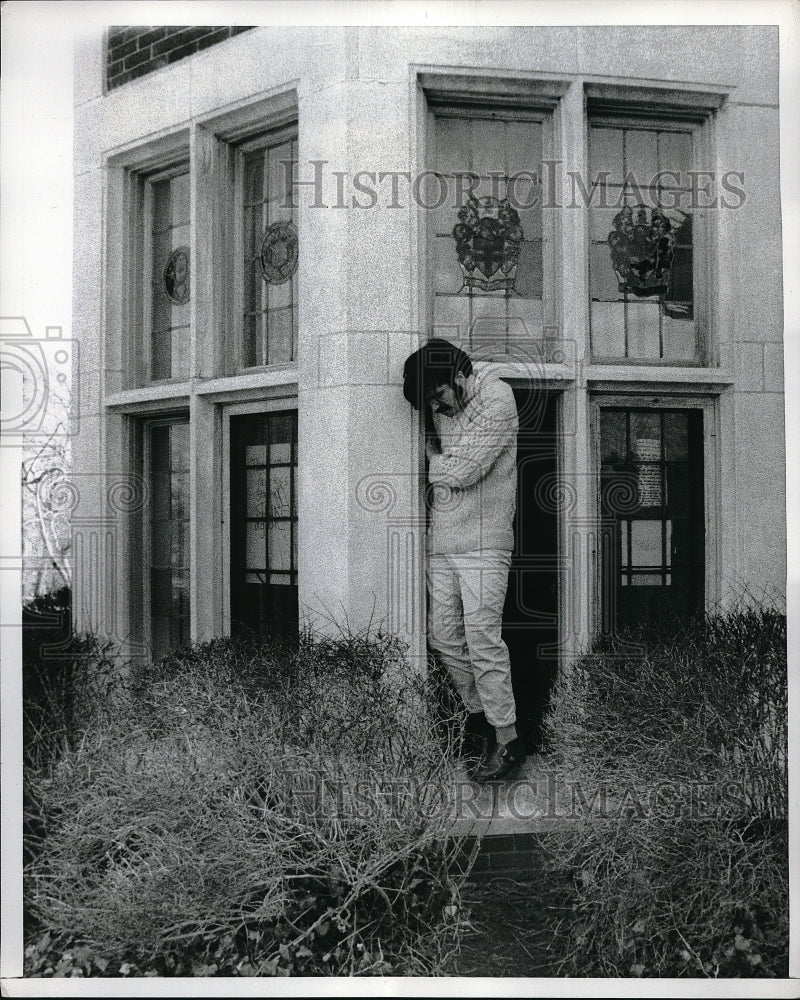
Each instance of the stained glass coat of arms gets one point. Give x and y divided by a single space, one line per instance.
486 236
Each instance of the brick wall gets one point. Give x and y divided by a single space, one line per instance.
135 51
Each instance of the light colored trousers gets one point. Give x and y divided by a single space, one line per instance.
467 594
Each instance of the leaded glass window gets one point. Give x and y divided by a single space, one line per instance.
264 522
486 232
652 497
168 543
642 243
167 276
270 253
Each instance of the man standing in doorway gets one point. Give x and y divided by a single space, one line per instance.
471 447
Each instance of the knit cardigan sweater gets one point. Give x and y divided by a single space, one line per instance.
473 482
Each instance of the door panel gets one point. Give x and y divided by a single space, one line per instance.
263 586
651 487
530 619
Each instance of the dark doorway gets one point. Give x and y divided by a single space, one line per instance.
530 619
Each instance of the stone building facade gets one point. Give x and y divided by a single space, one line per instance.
264 231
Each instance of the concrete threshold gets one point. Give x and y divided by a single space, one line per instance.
506 821
531 801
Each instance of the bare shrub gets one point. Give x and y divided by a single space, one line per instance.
251 809
698 888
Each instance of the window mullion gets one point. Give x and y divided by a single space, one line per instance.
235 350
265 213
145 363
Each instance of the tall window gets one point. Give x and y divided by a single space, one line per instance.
485 225
269 252
652 496
167 457
166 284
642 234
264 523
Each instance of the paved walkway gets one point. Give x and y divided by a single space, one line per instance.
534 800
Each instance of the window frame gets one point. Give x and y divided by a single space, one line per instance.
126 174
146 423
663 117
275 135
449 105
657 400
142 303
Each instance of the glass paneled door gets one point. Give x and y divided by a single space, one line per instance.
263 584
651 493
167 545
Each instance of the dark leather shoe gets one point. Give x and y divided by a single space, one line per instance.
474 751
477 741
502 762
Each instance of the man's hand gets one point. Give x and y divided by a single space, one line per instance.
432 445
470 457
